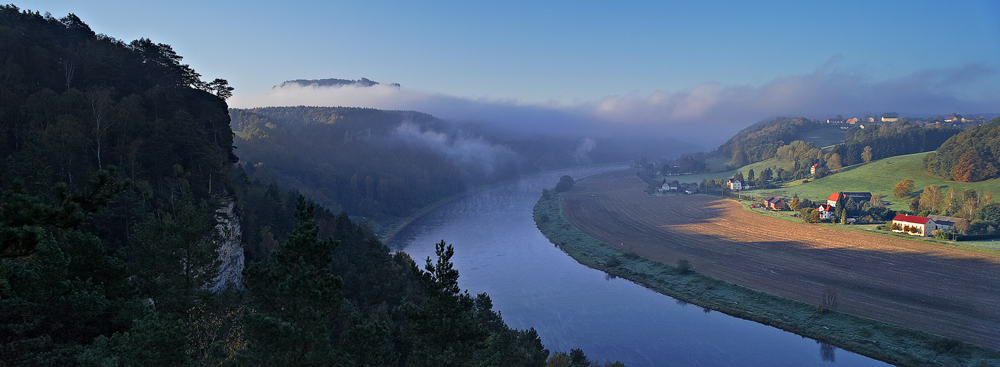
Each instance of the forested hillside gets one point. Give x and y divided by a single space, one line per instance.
968 157
886 140
863 143
761 141
115 158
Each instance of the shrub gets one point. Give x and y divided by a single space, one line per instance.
565 183
683 266
612 261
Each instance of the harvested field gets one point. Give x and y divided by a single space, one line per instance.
947 291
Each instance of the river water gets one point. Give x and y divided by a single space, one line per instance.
498 250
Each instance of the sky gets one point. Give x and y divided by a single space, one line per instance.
696 70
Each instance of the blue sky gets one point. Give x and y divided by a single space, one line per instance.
589 59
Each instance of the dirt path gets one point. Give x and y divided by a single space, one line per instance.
942 290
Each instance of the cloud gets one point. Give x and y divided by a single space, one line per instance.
472 153
706 114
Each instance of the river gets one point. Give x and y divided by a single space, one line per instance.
498 250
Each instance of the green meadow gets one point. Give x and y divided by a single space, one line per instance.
823 137
878 177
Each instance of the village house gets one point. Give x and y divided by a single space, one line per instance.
734 184
912 224
853 121
826 211
890 117
812 170
691 190
858 197
668 187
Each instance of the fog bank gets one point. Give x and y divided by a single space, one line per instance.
706 114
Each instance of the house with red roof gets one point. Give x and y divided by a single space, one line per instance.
812 170
912 224
826 211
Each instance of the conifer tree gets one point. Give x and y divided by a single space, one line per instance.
293 299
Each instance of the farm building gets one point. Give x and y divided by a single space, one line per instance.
734 184
668 187
691 190
774 203
912 224
826 211
858 197
943 222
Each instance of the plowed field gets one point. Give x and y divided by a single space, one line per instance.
934 288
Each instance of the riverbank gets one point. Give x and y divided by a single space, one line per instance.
879 340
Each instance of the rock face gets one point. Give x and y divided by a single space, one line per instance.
230 247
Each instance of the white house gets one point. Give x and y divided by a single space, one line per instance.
734 184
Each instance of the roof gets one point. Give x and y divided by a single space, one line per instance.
943 220
910 219
825 208
866 195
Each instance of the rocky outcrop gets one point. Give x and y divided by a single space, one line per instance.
230 232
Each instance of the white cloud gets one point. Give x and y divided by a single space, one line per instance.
706 114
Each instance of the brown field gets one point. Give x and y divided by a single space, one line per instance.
947 291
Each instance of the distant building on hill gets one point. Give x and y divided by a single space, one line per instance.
812 170
890 117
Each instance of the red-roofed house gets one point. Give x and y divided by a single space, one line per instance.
812 170
913 224
826 211
832 200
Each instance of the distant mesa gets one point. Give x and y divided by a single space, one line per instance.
364 82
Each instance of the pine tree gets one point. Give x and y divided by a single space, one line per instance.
443 329
293 299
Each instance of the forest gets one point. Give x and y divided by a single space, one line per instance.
968 157
117 160
885 141
761 141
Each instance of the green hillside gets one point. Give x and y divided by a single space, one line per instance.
879 177
822 137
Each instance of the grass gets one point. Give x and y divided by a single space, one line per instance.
822 137
880 177
882 341
757 169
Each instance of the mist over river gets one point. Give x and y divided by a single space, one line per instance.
498 250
